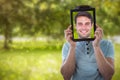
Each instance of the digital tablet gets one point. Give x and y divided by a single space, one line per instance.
83 23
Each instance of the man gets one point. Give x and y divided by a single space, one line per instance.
87 60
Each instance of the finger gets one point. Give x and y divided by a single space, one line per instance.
70 26
68 32
97 34
69 37
98 27
100 31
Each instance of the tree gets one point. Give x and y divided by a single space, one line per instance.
12 12
51 17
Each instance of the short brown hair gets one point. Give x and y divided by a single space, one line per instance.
84 13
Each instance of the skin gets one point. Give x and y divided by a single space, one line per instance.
83 26
105 64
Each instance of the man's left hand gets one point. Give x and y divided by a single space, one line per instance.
98 36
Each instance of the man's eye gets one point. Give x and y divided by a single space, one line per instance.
80 24
88 23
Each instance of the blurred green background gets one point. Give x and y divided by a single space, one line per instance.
32 35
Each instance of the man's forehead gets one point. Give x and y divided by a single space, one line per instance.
83 18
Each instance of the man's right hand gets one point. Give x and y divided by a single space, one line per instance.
68 36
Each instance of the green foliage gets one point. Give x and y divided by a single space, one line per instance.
92 33
76 36
51 17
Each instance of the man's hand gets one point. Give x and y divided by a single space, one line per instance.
69 64
98 36
105 64
68 36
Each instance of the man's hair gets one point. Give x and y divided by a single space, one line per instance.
83 13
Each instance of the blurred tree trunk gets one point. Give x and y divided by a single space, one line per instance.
6 40
7 34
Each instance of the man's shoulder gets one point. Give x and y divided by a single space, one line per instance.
66 45
105 42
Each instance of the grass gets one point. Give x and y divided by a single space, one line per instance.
30 65
31 61
37 61
117 63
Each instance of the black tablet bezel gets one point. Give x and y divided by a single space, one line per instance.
94 20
